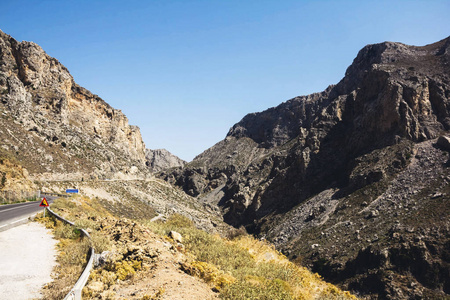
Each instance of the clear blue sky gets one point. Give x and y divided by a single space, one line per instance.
186 71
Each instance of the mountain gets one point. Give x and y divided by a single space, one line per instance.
59 130
350 181
161 159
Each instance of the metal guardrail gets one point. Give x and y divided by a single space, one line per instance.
75 292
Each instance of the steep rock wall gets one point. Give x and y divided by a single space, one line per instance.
40 96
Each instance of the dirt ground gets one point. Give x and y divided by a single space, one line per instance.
160 276
27 257
166 279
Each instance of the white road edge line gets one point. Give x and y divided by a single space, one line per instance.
18 221
17 207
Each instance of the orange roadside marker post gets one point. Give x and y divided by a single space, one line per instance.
44 203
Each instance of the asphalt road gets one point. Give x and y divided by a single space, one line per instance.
15 214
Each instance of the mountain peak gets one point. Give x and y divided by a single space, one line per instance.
397 60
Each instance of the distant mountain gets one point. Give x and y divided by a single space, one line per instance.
348 180
161 159
57 129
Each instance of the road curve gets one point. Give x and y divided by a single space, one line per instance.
15 214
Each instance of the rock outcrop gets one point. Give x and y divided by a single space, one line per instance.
55 126
14 178
161 159
302 169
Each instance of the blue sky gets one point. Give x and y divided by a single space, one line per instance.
186 71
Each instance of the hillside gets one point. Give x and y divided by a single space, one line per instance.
141 259
348 180
351 182
55 134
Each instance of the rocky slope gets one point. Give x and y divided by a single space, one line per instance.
58 134
56 128
150 259
161 159
140 199
353 165
13 177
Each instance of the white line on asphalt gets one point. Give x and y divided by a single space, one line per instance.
21 206
18 221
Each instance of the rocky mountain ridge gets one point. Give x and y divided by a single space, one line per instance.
306 164
58 129
161 159
68 129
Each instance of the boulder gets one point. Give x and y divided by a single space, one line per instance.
443 142
176 236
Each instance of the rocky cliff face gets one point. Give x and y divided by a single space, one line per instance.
55 126
161 159
328 168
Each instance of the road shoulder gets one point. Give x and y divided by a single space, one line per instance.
28 255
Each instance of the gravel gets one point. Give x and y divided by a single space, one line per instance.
27 257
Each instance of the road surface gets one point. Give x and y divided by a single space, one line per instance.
15 214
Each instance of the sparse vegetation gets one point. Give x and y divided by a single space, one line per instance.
72 248
245 268
156 296
15 186
71 259
2 184
238 268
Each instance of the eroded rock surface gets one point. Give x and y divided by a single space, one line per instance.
56 128
333 172
161 159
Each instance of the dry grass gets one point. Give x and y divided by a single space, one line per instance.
72 248
72 252
238 268
245 268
